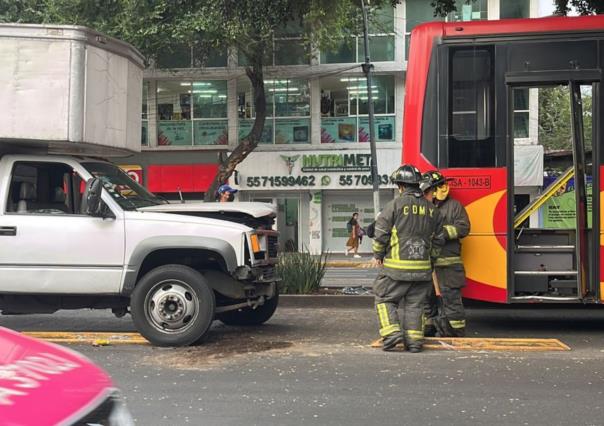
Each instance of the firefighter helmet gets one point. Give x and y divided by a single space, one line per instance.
406 174
431 179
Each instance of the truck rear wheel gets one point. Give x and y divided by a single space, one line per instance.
249 316
172 305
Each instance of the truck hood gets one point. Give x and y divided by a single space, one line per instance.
255 210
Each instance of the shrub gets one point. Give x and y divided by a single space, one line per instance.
301 272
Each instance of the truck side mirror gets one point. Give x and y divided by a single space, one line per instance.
91 200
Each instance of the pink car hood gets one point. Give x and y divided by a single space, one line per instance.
46 384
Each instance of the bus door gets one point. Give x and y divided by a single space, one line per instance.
551 125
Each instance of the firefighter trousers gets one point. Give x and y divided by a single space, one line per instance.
451 320
410 296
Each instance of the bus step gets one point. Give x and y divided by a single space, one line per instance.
545 273
546 249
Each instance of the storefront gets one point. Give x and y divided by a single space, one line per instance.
316 192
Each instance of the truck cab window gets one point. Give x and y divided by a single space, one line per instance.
44 188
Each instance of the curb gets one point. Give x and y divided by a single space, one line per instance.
348 264
325 301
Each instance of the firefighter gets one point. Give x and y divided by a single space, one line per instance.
406 232
448 267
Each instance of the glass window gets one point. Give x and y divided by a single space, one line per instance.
144 117
381 48
416 12
177 56
291 52
174 113
471 141
514 9
192 113
521 113
344 109
381 41
209 58
209 99
469 11
44 188
288 110
382 21
344 53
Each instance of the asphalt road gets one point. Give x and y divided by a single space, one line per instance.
313 366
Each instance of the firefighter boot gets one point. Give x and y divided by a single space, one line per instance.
414 349
390 341
429 328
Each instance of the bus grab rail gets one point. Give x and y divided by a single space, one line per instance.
561 181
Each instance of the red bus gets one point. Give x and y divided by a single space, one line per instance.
512 111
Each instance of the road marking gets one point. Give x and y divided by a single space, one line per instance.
487 344
93 338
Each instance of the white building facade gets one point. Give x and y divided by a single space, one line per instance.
313 162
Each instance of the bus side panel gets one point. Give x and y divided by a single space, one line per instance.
483 192
601 234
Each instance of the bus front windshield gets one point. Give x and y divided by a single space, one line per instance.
125 191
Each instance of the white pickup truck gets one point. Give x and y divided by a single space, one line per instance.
77 232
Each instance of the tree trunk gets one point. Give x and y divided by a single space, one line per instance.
250 142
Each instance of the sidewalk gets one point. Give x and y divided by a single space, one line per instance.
340 260
348 272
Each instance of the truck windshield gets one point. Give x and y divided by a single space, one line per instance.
128 194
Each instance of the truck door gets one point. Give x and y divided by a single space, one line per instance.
47 244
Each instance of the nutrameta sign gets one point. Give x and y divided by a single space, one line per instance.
336 163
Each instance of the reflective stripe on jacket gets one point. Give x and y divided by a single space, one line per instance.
407 231
456 226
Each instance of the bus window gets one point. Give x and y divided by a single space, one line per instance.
471 141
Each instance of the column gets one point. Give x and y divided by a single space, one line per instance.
315 222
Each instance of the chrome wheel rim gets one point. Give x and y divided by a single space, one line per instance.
171 306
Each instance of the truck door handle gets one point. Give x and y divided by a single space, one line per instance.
8 231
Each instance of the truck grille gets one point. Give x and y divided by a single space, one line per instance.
273 246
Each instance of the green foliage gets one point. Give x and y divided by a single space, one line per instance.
301 273
555 131
583 7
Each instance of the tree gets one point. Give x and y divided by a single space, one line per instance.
245 25
583 7
555 118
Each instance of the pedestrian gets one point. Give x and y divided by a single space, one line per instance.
225 194
449 274
408 232
354 235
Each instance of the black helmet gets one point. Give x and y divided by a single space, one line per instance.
406 174
431 179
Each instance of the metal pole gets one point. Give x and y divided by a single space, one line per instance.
367 70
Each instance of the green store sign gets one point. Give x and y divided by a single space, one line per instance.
336 162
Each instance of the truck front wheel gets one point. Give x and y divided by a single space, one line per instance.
172 305
249 316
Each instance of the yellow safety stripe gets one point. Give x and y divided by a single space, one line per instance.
452 231
417 265
394 249
394 328
446 261
382 312
377 246
415 334
457 323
